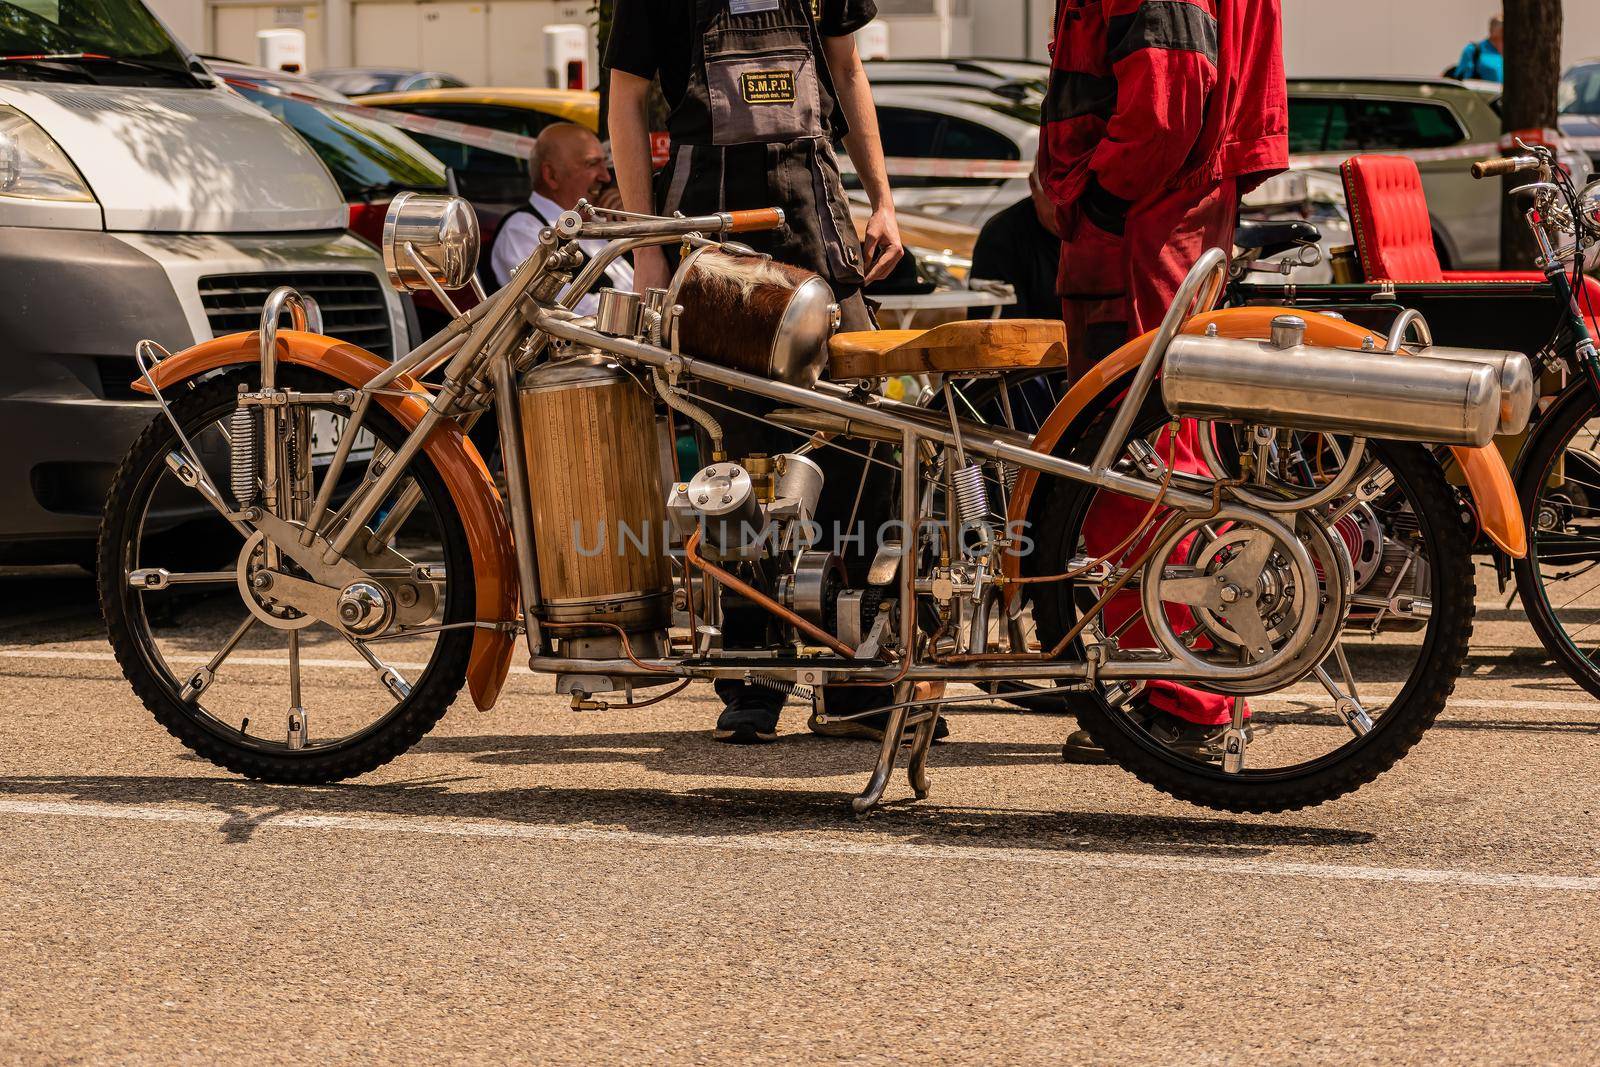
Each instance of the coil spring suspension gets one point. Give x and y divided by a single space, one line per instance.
972 495
244 477
782 685
1008 473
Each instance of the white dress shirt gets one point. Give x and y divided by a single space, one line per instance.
519 235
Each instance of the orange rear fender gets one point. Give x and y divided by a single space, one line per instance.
471 488
1487 478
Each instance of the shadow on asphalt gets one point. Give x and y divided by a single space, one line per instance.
708 812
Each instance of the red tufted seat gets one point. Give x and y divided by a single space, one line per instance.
1394 234
1389 213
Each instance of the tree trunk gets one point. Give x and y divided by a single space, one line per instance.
1533 71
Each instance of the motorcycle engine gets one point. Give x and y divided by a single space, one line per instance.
758 515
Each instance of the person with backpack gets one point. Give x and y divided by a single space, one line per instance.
1483 60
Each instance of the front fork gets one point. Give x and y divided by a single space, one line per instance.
1583 342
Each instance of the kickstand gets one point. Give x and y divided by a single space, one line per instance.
923 719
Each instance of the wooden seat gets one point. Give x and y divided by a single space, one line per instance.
953 348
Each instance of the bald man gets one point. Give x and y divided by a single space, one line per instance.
568 165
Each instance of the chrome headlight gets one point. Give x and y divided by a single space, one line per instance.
430 237
32 166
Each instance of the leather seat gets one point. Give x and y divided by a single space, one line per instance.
953 348
1272 236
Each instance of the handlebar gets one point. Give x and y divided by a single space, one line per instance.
572 225
1492 168
767 218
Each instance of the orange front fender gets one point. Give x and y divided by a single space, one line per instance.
1487 478
471 486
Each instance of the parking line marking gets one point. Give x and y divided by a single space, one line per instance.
1184 865
1287 696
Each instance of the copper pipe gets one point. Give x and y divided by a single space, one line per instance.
750 593
1137 532
627 648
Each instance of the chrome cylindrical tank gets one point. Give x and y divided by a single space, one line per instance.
1334 390
599 512
754 314
1513 371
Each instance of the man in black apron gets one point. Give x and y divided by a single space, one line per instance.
759 90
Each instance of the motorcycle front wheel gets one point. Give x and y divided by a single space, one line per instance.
246 683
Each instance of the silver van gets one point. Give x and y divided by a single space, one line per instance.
139 197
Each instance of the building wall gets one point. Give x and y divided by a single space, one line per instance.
1416 37
499 39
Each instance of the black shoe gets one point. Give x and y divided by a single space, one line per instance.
1079 747
747 724
1200 740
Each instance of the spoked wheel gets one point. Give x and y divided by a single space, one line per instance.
1559 581
1332 716
281 670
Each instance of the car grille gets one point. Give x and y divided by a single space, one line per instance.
353 308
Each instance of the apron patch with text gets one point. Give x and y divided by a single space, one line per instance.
767 86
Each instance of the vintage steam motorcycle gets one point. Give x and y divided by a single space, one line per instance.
357 532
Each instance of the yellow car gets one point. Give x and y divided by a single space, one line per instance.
495 183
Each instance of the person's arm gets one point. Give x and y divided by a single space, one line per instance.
629 120
1164 59
881 245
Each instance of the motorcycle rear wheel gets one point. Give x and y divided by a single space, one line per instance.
1428 682
367 723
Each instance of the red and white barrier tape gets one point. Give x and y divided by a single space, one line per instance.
904 167
512 144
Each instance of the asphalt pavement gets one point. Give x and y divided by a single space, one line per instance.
534 884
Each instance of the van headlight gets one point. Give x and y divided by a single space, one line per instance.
32 166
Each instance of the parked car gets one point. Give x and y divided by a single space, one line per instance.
493 181
139 198
1579 101
1354 115
1016 79
359 81
370 161
1327 116
954 123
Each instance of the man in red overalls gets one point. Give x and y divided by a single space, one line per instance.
1160 114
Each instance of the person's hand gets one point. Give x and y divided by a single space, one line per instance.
881 245
650 270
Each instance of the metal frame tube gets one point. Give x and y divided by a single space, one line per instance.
508 413
330 477
1132 670
990 446
910 514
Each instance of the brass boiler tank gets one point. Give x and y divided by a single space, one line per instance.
599 508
